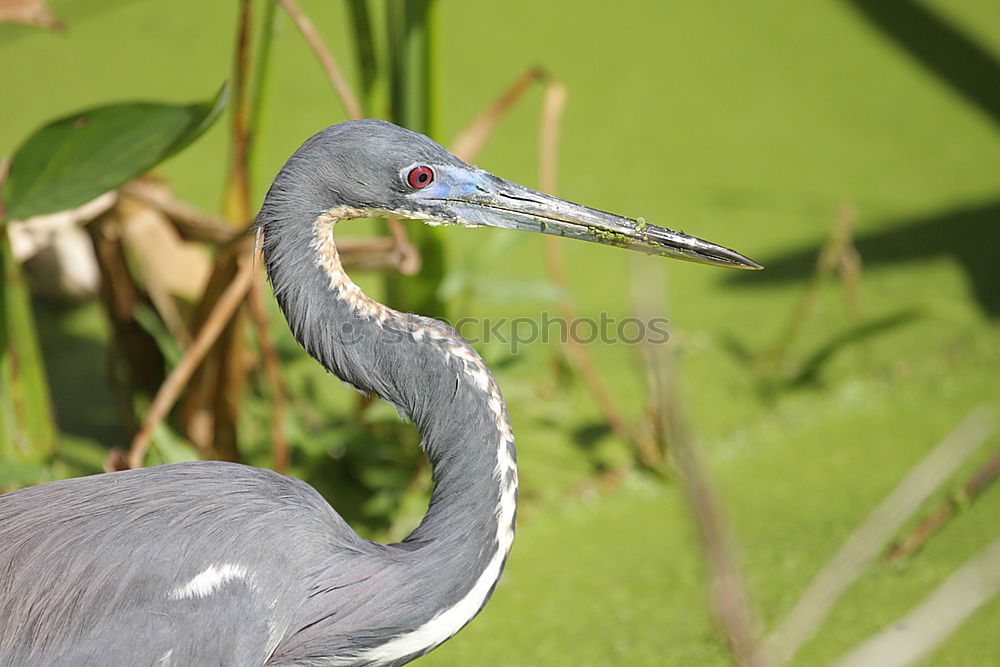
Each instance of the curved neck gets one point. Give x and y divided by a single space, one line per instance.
428 371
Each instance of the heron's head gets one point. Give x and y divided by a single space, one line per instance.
383 169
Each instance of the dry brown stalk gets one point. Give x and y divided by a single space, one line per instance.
727 589
280 453
191 224
837 255
912 638
406 256
211 407
410 256
333 74
982 478
728 593
212 400
871 536
237 193
553 105
138 358
379 254
548 140
471 140
577 353
220 316
647 299
210 410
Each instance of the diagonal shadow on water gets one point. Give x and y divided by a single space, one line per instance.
971 235
943 49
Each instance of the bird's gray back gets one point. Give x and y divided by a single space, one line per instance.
117 569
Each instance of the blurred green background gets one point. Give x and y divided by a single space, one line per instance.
748 124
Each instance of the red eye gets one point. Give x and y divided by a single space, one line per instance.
420 177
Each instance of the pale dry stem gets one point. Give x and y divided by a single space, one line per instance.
166 396
471 140
326 59
874 533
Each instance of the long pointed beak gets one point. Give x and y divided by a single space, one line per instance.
480 198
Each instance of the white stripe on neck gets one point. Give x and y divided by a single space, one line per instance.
448 621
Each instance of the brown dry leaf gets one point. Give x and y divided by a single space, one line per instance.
181 267
170 266
191 224
29 12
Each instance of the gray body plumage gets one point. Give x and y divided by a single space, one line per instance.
88 566
215 563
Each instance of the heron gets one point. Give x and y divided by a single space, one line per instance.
218 563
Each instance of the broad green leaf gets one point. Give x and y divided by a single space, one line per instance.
74 159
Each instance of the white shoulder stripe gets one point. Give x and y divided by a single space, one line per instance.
210 580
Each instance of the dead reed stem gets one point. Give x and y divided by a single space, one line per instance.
837 255
166 396
548 141
872 535
470 141
727 588
280 454
911 638
326 59
979 482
